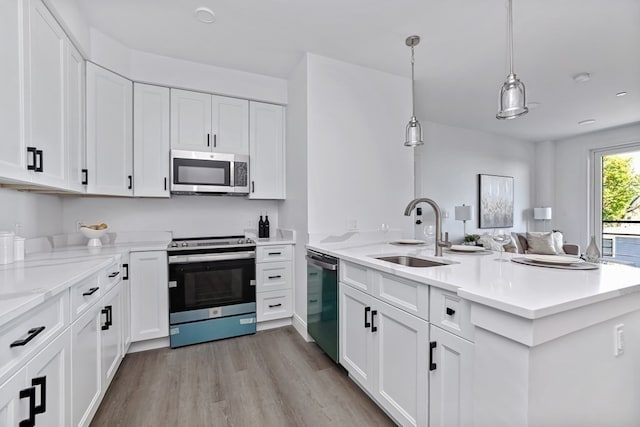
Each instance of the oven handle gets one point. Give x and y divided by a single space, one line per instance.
323 265
188 259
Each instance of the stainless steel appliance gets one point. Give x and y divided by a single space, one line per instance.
198 172
322 302
212 289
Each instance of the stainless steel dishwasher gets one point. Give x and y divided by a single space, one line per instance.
322 302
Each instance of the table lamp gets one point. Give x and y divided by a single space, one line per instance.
464 213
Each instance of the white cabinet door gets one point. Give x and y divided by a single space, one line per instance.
450 380
13 153
109 133
13 408
75 101
86 373
401 344
148 272
111 334
267 151
190 120
45 95
150 141
355 334
230 125
50 373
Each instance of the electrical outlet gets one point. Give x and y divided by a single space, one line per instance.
79 223
618 339
352 224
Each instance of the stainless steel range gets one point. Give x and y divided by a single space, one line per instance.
212 289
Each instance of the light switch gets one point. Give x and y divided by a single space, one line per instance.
618 335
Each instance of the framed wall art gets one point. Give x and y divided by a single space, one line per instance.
496 201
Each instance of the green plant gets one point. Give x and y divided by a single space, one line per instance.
471 238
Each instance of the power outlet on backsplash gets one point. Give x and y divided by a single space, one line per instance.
79 223
352 224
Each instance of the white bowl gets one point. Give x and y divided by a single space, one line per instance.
93 235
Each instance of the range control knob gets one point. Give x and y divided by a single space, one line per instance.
249 241
185 244
174 245
241 241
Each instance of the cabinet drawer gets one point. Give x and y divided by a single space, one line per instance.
451 313
273 305
273 276
407 295
356 276
109 276
86 293
30 332
274 253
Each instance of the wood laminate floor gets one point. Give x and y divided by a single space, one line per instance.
273 378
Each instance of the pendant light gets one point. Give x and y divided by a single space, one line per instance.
414 130
512 102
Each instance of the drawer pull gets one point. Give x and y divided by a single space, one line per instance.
313 300
432 364
126 269
367 324
374 328
42 382
275 253
274 277
91 291
114 274
32 334
31 394
275 305
450 311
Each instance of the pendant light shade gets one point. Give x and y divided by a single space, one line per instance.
413 136
512 100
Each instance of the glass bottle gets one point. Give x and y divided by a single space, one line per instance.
593 253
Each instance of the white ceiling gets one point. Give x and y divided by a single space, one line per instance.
460 63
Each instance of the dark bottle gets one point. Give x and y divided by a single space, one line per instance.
266 226
261 225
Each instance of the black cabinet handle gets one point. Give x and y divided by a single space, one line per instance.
126 269
85 176
107 323
275 277
275 305
374 328
40 165
165 183
367 324
31 394
42 382
130 178
32 151
91 291
432 364
114 274
215 140
32 334
253 186
208 140
110 315
275 253
450 311
313 300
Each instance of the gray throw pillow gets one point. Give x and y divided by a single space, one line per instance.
540 243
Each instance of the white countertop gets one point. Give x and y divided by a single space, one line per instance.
526 291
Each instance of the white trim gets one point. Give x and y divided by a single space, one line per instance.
145 345
301 326
272 324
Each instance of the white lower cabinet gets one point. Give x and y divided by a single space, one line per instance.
274 282
450 380
386 351
111 335
13 408
148 273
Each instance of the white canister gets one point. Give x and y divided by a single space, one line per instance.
6 247
18 248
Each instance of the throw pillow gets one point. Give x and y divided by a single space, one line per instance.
520 240
558 242
540 243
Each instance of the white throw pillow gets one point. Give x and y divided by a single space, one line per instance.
540 243
558 242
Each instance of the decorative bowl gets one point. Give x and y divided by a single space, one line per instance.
93 235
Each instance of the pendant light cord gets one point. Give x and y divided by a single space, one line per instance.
413 91
510 38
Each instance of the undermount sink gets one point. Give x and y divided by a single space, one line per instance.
409 261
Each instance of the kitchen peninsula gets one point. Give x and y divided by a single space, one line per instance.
496 343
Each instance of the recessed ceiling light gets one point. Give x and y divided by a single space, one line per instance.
205 15
586 122
621 93
533 105
581 77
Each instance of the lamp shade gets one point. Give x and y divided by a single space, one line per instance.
541 213
464 213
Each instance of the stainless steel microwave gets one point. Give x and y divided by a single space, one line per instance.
201 172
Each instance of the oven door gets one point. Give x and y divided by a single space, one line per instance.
205 286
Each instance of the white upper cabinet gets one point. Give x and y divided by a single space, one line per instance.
150 141
109 132
45 95
230 125
75 102
13 152
203 122
267 151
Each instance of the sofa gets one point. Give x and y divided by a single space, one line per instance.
523 246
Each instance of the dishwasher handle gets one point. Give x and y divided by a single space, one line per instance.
323 265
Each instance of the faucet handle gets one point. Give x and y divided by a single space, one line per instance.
445 242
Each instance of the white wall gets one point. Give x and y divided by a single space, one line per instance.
37 214
293 211
110 53
571 210
451 160
359 169
186 216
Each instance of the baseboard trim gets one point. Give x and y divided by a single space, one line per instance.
145 345
272 324
301 327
